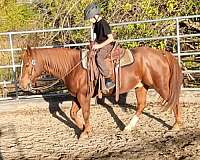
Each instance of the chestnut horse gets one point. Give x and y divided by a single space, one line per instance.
152 68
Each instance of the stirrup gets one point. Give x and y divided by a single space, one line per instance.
109 85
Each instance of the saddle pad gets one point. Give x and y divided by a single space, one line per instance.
127 58
84 53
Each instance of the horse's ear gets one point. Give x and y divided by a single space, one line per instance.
28 50
22 51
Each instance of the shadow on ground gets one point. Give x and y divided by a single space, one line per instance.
124 106
58 113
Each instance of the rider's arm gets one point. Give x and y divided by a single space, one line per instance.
109 40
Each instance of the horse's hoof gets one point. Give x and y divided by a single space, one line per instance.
176 127
80 126
128 129
83 136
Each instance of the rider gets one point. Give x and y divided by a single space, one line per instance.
103 40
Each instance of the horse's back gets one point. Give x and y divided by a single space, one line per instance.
150 53
151 57
153 65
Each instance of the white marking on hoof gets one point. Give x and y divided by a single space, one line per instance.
132 123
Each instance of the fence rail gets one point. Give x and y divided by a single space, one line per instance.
177 36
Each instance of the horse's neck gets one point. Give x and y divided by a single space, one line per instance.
60 66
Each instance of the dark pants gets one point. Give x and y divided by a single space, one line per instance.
101 56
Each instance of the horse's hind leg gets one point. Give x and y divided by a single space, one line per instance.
164 93
141 102
73 113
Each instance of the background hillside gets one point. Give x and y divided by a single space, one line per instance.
18 15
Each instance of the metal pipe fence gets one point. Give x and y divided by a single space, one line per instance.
177 36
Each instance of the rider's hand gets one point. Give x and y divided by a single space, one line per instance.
96 46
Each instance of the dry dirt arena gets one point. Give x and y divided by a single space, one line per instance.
41 129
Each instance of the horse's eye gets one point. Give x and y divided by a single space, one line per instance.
27 65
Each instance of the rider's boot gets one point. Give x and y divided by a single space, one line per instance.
109 84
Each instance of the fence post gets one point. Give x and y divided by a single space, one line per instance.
92 33
13 64
178 41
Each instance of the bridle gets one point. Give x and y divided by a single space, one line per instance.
33 62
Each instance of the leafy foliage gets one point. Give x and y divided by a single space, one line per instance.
14 17
61 13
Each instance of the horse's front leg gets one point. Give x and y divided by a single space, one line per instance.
73 114
178 121
84 102
141 102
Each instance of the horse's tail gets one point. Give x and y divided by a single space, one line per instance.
176 79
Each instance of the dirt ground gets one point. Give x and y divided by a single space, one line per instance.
28 130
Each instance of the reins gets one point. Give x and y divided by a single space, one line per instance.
57 81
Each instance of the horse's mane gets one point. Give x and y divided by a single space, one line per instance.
58 60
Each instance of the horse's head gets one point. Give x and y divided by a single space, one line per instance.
31 69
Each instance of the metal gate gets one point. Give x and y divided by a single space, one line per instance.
10 49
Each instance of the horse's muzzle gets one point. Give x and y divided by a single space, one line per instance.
25 87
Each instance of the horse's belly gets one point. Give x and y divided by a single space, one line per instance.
129 80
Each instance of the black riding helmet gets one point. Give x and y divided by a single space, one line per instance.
91 10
